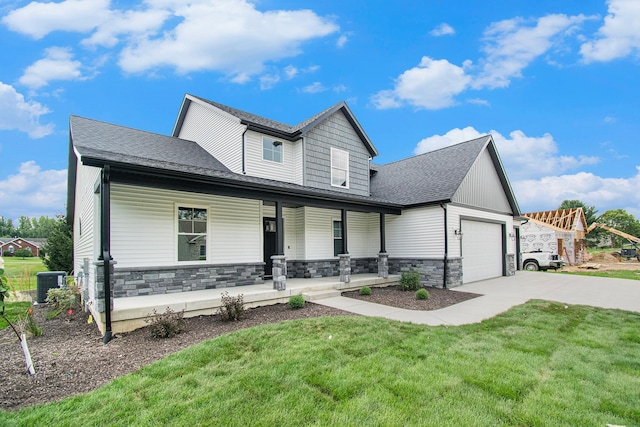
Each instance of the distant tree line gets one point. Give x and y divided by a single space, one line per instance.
28 227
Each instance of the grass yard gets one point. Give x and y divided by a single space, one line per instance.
539 364
618 274
21 272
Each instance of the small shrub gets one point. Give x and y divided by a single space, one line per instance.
422 294
232 308
59 300
410 280
165 325
365 290
296 301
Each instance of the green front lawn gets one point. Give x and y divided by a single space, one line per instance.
618 274
539 364
21 272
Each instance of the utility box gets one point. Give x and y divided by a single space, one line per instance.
48 280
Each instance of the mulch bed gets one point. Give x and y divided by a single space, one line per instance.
70 358
393 296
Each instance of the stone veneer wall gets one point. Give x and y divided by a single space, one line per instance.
130 282
431 270
510 261
328 267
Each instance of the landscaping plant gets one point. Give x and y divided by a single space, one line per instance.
232 308
60 300
410 280
422 294
365 290
165 325
296 301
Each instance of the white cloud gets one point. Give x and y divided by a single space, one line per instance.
56 65
524 157
268 81
37 19
290 72
603 193
443 29
512 45
131 23
433 84
230 36
17 113
619 36
33 192
315 87
342 40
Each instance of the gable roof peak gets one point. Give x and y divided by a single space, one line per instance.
276 128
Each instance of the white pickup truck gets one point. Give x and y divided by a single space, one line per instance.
538 260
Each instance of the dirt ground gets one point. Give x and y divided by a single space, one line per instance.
69 357
604 261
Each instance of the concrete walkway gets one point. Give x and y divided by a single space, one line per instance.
502 293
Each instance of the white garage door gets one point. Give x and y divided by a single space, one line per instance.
481 251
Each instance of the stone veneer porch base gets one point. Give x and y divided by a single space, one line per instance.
131 282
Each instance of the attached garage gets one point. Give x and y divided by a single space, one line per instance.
482 250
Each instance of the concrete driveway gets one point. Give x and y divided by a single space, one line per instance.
502 293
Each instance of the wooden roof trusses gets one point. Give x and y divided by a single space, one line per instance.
565 219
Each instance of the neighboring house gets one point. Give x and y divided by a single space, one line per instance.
9 246
231 199
562 231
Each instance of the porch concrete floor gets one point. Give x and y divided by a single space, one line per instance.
129 313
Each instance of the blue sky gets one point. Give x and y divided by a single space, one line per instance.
556 83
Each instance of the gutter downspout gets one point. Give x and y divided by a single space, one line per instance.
244 149
446 247
105 255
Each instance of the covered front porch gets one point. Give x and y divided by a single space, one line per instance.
130 313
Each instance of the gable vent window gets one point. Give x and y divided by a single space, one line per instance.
192 234
271 150
339 168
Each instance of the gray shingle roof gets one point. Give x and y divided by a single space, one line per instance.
114 143
427 178
108 143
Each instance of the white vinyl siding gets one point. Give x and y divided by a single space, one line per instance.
482 187
143 227
288 170
363 234
316 226
417 233
87 211
215 131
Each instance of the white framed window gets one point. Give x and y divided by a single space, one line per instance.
271 150
339 168
192 233
338 248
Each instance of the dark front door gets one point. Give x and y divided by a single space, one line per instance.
269 227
